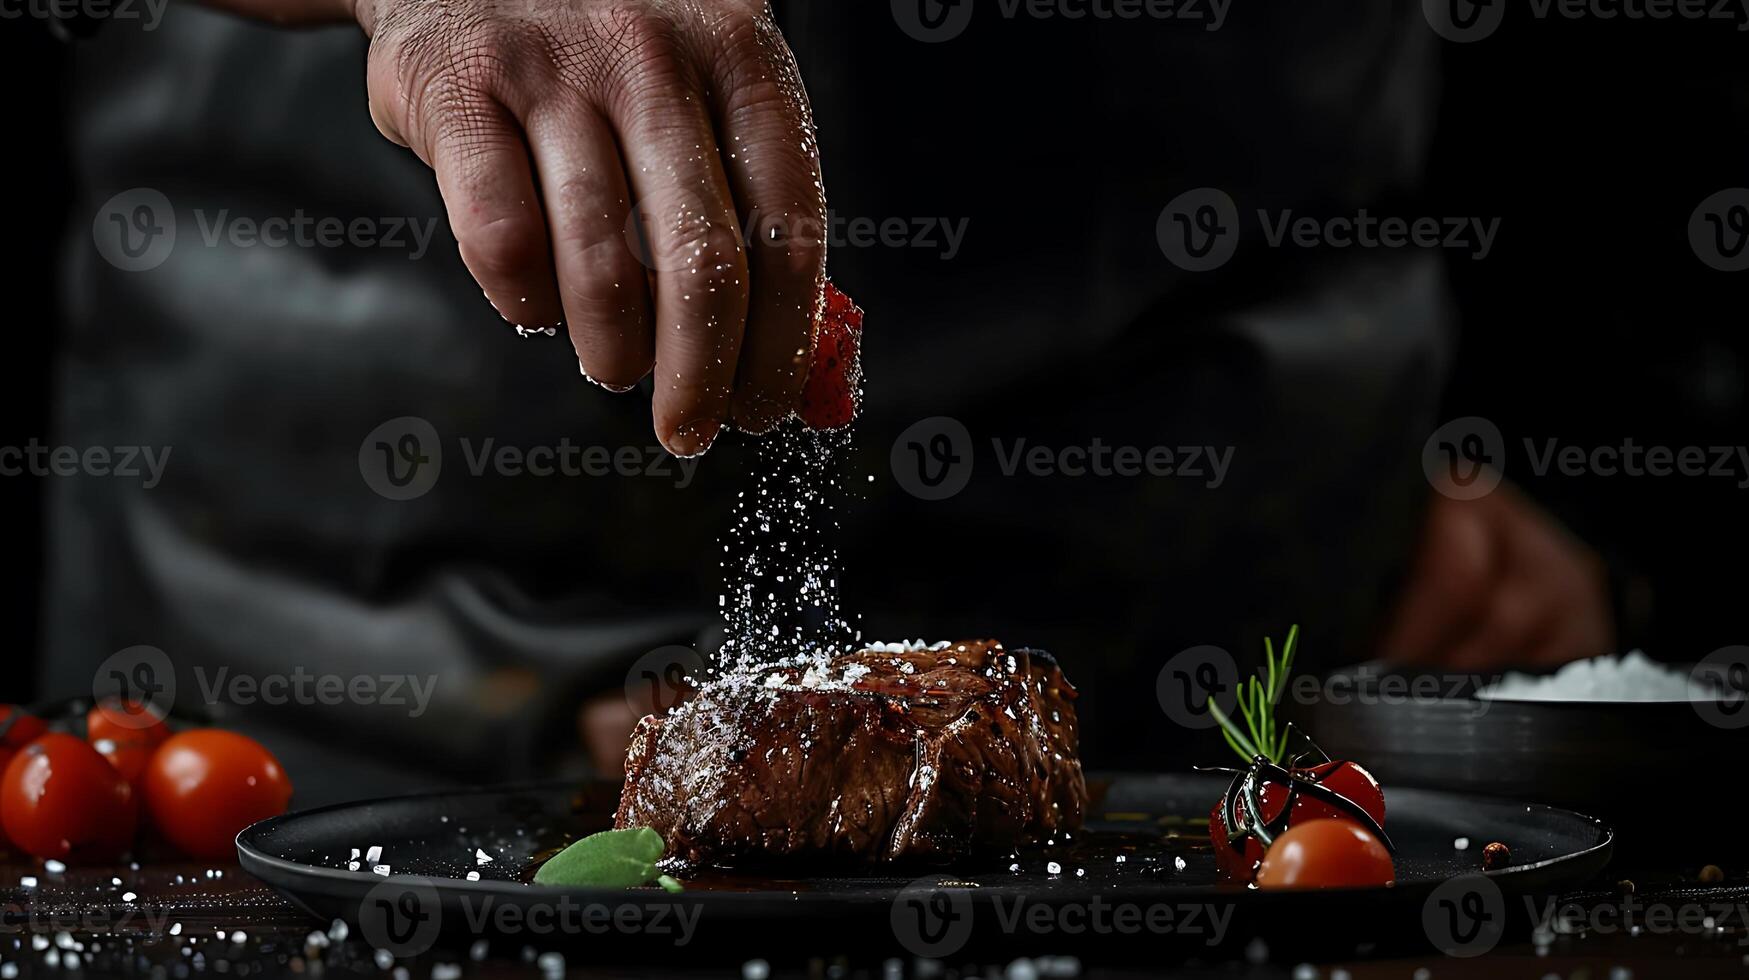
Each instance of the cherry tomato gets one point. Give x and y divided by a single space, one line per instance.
204 785
128 759
1326 854
19 727
60 799
1239 861
125 721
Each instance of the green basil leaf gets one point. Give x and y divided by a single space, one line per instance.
610 859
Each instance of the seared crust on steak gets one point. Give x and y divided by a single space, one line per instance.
891 753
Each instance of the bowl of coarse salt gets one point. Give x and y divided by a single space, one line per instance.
1646 746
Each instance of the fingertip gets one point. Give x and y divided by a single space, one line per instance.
693 438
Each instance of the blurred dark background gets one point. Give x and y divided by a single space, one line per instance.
1592 320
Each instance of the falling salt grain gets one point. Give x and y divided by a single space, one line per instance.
473 876
445 971
53 866
1461 844
128 896
384 959
481 857
478 950
375 854
380 869
755 970
552 965
28 881
1054 868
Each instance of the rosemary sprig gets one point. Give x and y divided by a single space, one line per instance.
1257 699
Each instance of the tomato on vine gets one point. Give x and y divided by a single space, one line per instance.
1276 792
60 799
204 785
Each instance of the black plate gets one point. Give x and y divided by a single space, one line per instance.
1126 884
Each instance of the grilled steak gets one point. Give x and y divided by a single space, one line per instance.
891 753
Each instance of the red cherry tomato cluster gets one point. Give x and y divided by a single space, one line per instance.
74 799
1239 860
1283 825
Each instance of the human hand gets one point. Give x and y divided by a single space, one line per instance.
544 120
1496 583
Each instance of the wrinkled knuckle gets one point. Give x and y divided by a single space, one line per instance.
507 248
640 34
708 252
805 257
608 295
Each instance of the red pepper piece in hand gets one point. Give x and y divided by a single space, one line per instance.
833 391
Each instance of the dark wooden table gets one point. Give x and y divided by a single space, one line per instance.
175 920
